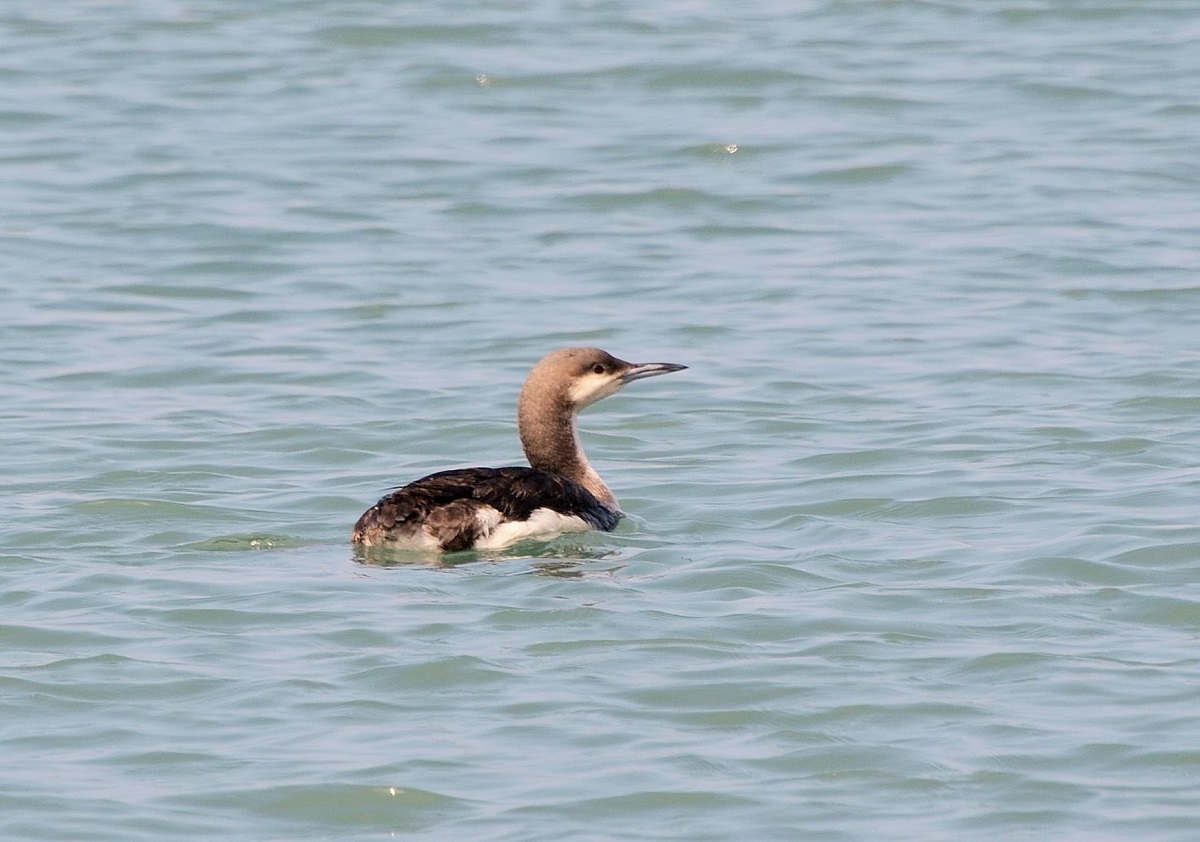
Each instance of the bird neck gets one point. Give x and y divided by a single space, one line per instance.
551 441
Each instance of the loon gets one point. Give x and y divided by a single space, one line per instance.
490 508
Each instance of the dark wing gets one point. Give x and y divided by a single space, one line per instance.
445 504
517 492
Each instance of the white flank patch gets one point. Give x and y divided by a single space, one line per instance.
543 524
488 519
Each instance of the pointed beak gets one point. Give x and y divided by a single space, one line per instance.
639 371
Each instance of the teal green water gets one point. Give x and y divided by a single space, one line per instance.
912 548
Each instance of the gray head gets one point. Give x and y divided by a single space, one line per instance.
564 382
578 377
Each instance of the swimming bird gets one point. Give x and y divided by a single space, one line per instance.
490 508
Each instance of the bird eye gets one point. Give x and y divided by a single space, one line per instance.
598 368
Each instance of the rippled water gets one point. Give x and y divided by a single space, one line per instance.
912 548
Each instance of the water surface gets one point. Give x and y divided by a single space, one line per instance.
911 550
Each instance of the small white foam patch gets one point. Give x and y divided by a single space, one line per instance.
543 524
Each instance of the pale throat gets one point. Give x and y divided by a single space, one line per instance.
590 479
